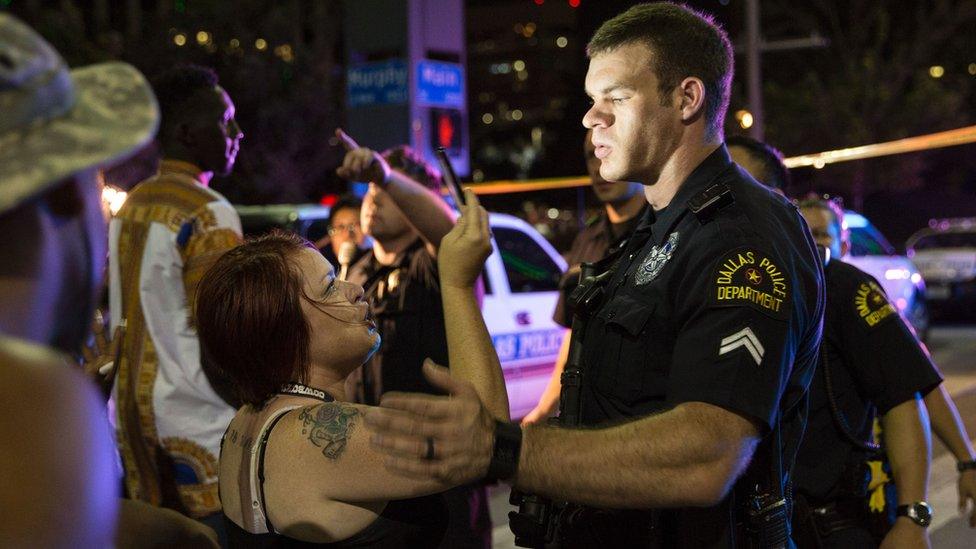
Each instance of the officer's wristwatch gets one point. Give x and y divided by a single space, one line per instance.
919 512
505 452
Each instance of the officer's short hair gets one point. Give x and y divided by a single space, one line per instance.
775 173
814 200
684 42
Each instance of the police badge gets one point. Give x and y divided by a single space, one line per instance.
655 260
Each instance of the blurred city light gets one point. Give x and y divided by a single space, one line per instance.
561 42
261 44
517 114
203 37
897 274
112 199
972 69
235 43
936 71
745 118
180 39
574 3
487 118
518 65
552 213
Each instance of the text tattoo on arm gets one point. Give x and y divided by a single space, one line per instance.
328 427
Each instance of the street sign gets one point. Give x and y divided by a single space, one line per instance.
381 83
440 84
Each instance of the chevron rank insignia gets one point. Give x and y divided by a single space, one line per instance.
743 339
749 277
871 305
655 260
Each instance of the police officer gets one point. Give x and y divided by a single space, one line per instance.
698 358
870 364
623 205
879 370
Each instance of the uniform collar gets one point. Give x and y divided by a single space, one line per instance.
169 166
706 172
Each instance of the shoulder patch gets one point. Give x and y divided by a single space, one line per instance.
749 277
871 305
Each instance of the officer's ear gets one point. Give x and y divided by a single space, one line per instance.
691 98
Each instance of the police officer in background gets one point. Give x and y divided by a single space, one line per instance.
763 162
698 357
871 364
876 367
623 205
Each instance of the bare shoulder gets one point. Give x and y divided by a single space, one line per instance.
328 427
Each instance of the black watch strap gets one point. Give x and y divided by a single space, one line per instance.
966 465
506 450
919 512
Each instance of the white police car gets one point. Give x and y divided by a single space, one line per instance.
899 277
521 290
945 252
521 280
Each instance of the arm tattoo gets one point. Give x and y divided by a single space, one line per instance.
328 427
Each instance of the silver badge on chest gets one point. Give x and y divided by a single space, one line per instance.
655 260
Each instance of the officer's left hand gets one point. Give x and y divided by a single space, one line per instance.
905 534
460 427
361 163
967 495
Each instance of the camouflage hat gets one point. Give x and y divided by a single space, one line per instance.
56 121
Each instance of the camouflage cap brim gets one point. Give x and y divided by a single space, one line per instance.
114 114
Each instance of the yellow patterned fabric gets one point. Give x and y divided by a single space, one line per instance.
168 417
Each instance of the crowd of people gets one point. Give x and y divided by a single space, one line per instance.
734 382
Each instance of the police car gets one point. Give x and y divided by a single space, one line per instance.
899 277
945 252
521 288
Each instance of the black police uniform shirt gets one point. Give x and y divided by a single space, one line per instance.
405 300
875 363
598 239
726 311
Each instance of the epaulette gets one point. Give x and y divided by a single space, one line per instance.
710 201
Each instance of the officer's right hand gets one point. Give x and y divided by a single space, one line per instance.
463 251
361 163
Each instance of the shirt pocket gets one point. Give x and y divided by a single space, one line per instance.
628 368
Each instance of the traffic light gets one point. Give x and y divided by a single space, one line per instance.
446 130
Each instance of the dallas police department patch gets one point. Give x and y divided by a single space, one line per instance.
871 305
749 277
655 260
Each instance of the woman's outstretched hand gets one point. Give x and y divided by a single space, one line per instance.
463 251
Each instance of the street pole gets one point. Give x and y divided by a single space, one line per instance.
753 69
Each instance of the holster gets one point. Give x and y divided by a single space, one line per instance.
812 525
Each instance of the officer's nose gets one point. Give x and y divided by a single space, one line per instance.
596 117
